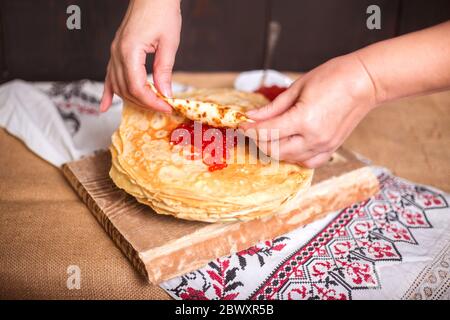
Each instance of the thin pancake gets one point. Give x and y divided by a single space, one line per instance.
211 108
149 167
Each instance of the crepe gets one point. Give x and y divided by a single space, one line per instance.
212 107
155 171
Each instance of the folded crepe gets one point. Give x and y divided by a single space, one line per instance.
213 107
149 166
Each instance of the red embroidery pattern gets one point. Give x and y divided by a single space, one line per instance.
342 257
337 260
223 279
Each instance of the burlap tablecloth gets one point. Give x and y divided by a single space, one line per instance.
44 227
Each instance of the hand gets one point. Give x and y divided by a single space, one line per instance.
316 113
149 26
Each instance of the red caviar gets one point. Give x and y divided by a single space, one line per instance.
271 92
208 158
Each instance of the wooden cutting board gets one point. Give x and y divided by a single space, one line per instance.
161 247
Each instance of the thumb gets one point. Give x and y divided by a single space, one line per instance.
281 103
163 65
107 95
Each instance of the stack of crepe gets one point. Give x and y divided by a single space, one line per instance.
152 169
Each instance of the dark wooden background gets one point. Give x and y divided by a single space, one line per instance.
217 34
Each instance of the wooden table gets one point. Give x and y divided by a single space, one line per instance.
44 227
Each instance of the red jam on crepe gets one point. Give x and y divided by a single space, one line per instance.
209 159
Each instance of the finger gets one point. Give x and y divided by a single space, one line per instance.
291 149
163 65
317 160
279 127
138 89
113 83
124 86
121 84
107 96
281 103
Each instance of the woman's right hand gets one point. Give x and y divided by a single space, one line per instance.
149 26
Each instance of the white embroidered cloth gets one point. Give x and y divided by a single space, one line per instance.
58 121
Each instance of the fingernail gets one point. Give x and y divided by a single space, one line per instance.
167 92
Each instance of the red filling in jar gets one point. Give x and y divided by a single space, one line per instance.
271 92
